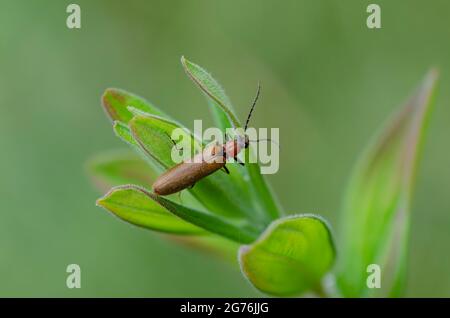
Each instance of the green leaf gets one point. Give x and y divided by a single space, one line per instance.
132 204
123 132
220 104
216 192
376 216
116 102
242 233
113 168
265 199
153 135
290 257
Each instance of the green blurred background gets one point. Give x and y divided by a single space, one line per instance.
328 83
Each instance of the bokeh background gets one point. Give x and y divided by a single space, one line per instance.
328 83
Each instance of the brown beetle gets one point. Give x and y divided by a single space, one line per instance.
186 174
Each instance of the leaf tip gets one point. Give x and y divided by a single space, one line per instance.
431 78
116 123
434 72
185 62
108 94
100 201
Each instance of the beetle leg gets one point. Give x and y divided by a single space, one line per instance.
180 149
192 186
226 169
239 161
174 143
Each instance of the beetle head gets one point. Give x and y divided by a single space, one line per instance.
242 141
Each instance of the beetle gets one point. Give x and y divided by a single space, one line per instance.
213 158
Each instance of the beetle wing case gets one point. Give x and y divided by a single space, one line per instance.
187 173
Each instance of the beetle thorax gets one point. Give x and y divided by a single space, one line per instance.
231 148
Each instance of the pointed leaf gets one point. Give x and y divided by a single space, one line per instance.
153 134
377 203
132 204
290 257
153 126
221 107
263 193
116 101
123 132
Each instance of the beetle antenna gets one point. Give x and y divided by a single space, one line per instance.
253 106
266 139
